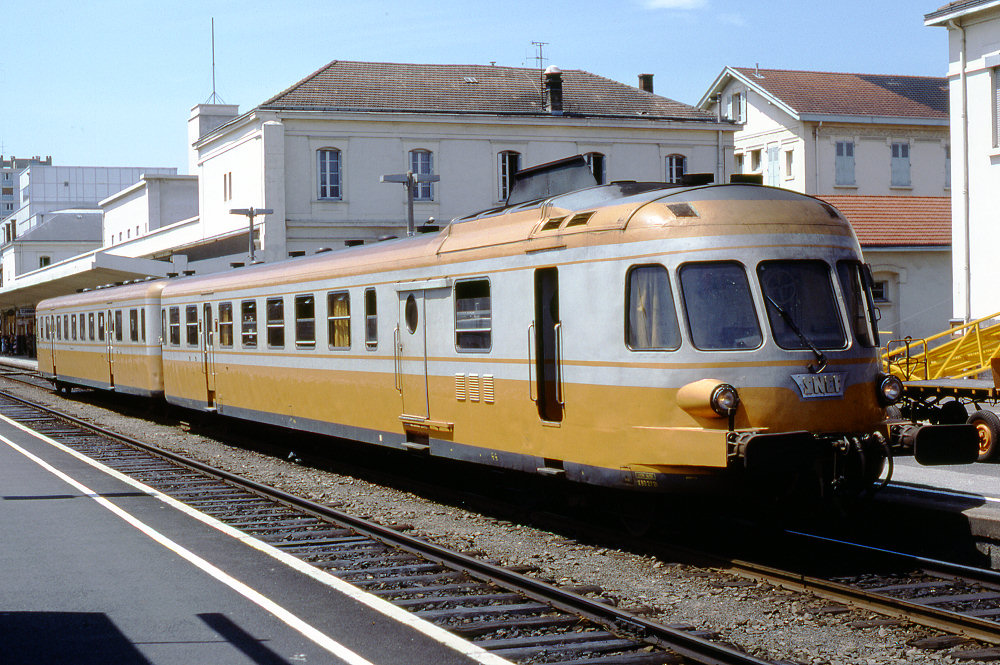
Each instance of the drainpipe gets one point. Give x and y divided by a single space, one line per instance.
967 259
816 129
720 159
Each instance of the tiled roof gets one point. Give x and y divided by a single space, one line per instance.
959 5
897 221
854 94
478 89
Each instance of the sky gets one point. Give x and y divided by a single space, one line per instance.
112 83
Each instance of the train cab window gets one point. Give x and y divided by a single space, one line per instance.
90 326
225 324
100 326
305 320
248 317
473 315
855 282
650 317
800 303
175 326
275 322
191 325
119 328
719 310
133 325
338 319
371 319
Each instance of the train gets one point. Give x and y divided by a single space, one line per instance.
633 335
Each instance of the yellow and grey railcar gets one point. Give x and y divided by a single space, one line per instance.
628 335
105 338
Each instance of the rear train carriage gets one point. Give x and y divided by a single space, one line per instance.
105 338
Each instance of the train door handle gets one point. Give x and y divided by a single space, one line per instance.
397 352
557 330
531 362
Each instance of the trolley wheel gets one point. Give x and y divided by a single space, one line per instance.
954 413
988 427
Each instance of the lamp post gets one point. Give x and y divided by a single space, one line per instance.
410 180
250 213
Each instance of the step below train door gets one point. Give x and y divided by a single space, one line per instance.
546 338
411 355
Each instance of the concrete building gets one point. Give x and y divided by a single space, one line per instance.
10 169
974 88
877 147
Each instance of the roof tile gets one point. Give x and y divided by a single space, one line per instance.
897 221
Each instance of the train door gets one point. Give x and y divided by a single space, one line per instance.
208 354
411 354
548 346
109 346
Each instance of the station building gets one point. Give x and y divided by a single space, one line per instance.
875 146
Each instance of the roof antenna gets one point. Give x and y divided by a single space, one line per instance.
213 98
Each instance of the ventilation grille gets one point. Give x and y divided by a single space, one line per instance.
460 391
580 219
473 385
489 393
552 224
682 210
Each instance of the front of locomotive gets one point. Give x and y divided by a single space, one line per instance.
776 300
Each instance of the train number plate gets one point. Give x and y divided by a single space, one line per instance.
820 385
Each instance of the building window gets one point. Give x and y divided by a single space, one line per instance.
191 327
737 107
338 307
473 315
773 168
248 318
900 164
844 163
305 320
755 161
738 163
995 76
227 186
508 163
789 163
676 168
44 261
331 174
596 162
880 291
422 163
275 322
371 319
947 167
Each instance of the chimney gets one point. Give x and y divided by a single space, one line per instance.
553 90
646 82
204 118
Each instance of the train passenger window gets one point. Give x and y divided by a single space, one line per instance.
100 326
371 319
650 317
133 325
72 323
119 328
275 322
59 328
855 282
338 320
191 325
305 320
248 313
719 310
225 324
800 303
473 315
90 326
175 326
163 326
65 320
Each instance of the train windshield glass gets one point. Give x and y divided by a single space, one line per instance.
719 310
855 282
801 306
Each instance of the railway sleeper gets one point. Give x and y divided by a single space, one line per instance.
371 573
408 580
473 612
585 648
648 658
480 628
419 591
463 600
571 637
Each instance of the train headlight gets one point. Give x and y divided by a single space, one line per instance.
724 399
890 390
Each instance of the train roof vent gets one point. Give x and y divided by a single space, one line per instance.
682 210
552 224
579 219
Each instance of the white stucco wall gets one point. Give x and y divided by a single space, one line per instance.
919 291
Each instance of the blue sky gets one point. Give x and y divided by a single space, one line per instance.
111 83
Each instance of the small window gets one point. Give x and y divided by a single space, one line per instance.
880 291
191 325
163 326
100 326
650 318
133 325
330 171
371 319
90 326
66 326
275 322
719 309
142 324
175 326
72 323
789 164
248 326
338 307
225 324
59 328
119 328
473 315
422 162
508 163
844 163
44 261
900 164
305 320
596 162
676 168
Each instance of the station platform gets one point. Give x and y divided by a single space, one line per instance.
18 363
95 569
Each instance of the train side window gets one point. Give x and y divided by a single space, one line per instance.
65 319
225 324
133 325
248 314
175 326
650 317
191 325
855 282
338 320
305 321
720 312
59 328
142 325
800 304
119 328
473 315
90 326
163 326
100 326
275 322
371 319
72 323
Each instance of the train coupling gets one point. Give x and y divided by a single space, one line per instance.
935 445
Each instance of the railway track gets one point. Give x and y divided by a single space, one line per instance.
514 616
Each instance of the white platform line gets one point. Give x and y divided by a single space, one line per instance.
377 604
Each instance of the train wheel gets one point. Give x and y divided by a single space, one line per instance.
988 427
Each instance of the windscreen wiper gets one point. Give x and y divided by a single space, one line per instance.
787 318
